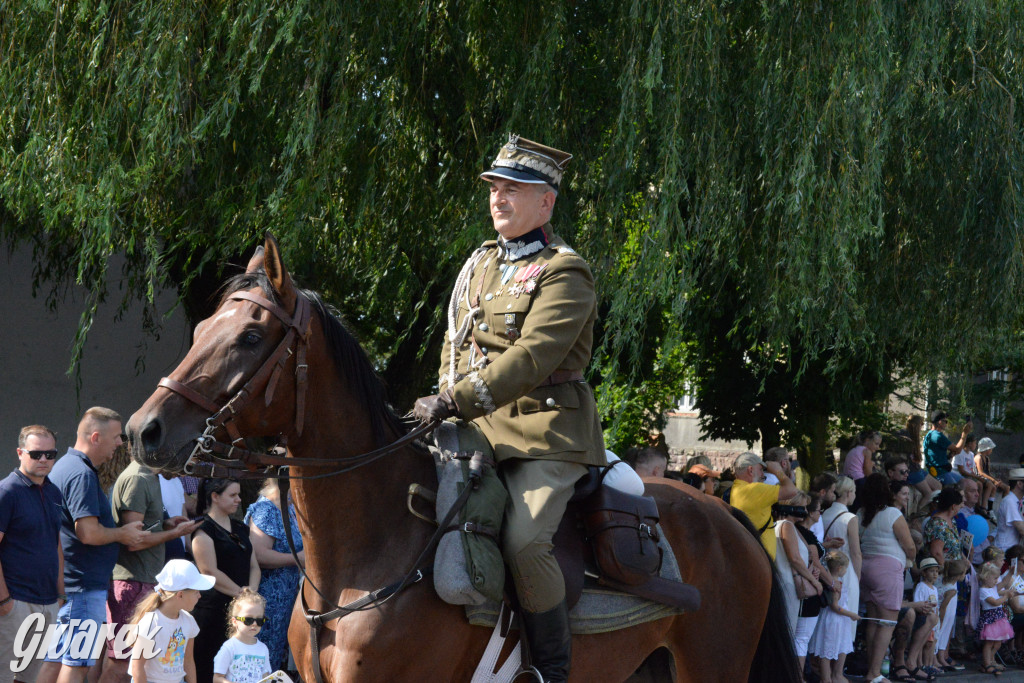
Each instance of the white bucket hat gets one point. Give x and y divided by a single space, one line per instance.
986 444
179 575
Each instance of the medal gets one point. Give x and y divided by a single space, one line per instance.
507 271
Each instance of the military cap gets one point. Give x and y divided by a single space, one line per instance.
526 161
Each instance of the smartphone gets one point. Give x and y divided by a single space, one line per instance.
967 418
156 527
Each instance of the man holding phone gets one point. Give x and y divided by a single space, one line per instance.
136 497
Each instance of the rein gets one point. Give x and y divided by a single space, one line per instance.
213 458
373 599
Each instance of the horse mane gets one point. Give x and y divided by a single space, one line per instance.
354 368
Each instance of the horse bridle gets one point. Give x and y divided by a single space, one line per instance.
206 459
213 458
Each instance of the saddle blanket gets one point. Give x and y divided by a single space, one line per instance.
601 609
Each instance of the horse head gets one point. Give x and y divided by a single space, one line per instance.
245 368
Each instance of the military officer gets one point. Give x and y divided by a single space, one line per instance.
520 333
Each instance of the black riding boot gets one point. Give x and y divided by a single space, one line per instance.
547 634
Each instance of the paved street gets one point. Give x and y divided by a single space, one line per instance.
972 675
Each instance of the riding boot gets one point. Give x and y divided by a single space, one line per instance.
550 642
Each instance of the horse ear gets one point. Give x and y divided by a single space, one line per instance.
273 264
256 261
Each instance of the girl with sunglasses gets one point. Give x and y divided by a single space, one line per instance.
242 658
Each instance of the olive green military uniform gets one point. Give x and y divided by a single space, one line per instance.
523 336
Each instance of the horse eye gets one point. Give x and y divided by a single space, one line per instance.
251 339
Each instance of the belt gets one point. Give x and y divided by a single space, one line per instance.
561 377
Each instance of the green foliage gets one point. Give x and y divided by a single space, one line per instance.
633 411
812 193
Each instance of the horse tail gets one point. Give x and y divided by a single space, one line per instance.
775 659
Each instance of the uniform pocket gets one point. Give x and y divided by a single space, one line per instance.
508 316
556 397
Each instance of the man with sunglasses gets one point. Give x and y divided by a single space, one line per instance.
31 561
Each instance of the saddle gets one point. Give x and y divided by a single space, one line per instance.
605 533
613 536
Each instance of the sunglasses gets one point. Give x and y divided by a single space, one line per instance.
36 455
249 621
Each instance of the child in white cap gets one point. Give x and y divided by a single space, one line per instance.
162 652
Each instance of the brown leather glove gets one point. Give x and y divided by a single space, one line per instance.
436 408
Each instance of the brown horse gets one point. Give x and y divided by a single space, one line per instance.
359 536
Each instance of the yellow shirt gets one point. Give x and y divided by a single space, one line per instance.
756 500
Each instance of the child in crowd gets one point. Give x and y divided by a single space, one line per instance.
953 572
993 555
242 658
162 652
1015 566
833 637
921 656
993 628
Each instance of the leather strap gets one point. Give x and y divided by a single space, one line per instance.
834 520
264 302
265 379
561 377
190 394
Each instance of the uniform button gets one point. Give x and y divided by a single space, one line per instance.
488 297
509 307
478 405
484 327
483 350
550 403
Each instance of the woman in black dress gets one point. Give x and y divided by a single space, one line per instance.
222 549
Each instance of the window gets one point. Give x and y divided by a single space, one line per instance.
997 407
686 402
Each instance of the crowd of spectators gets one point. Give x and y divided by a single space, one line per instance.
899 568
84 538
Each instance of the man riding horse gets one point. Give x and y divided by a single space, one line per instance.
520 333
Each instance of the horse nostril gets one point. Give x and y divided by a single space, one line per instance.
152 435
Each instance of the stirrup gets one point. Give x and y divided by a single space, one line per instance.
532 671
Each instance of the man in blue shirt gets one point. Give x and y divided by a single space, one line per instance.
31 564
939 450
89 538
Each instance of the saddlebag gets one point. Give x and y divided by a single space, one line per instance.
623 534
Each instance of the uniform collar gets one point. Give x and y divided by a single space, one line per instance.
522 246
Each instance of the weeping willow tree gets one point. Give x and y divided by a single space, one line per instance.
788 195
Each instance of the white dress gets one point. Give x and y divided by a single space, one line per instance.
786 573
840 528
833 636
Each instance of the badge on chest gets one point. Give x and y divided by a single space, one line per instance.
510 326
